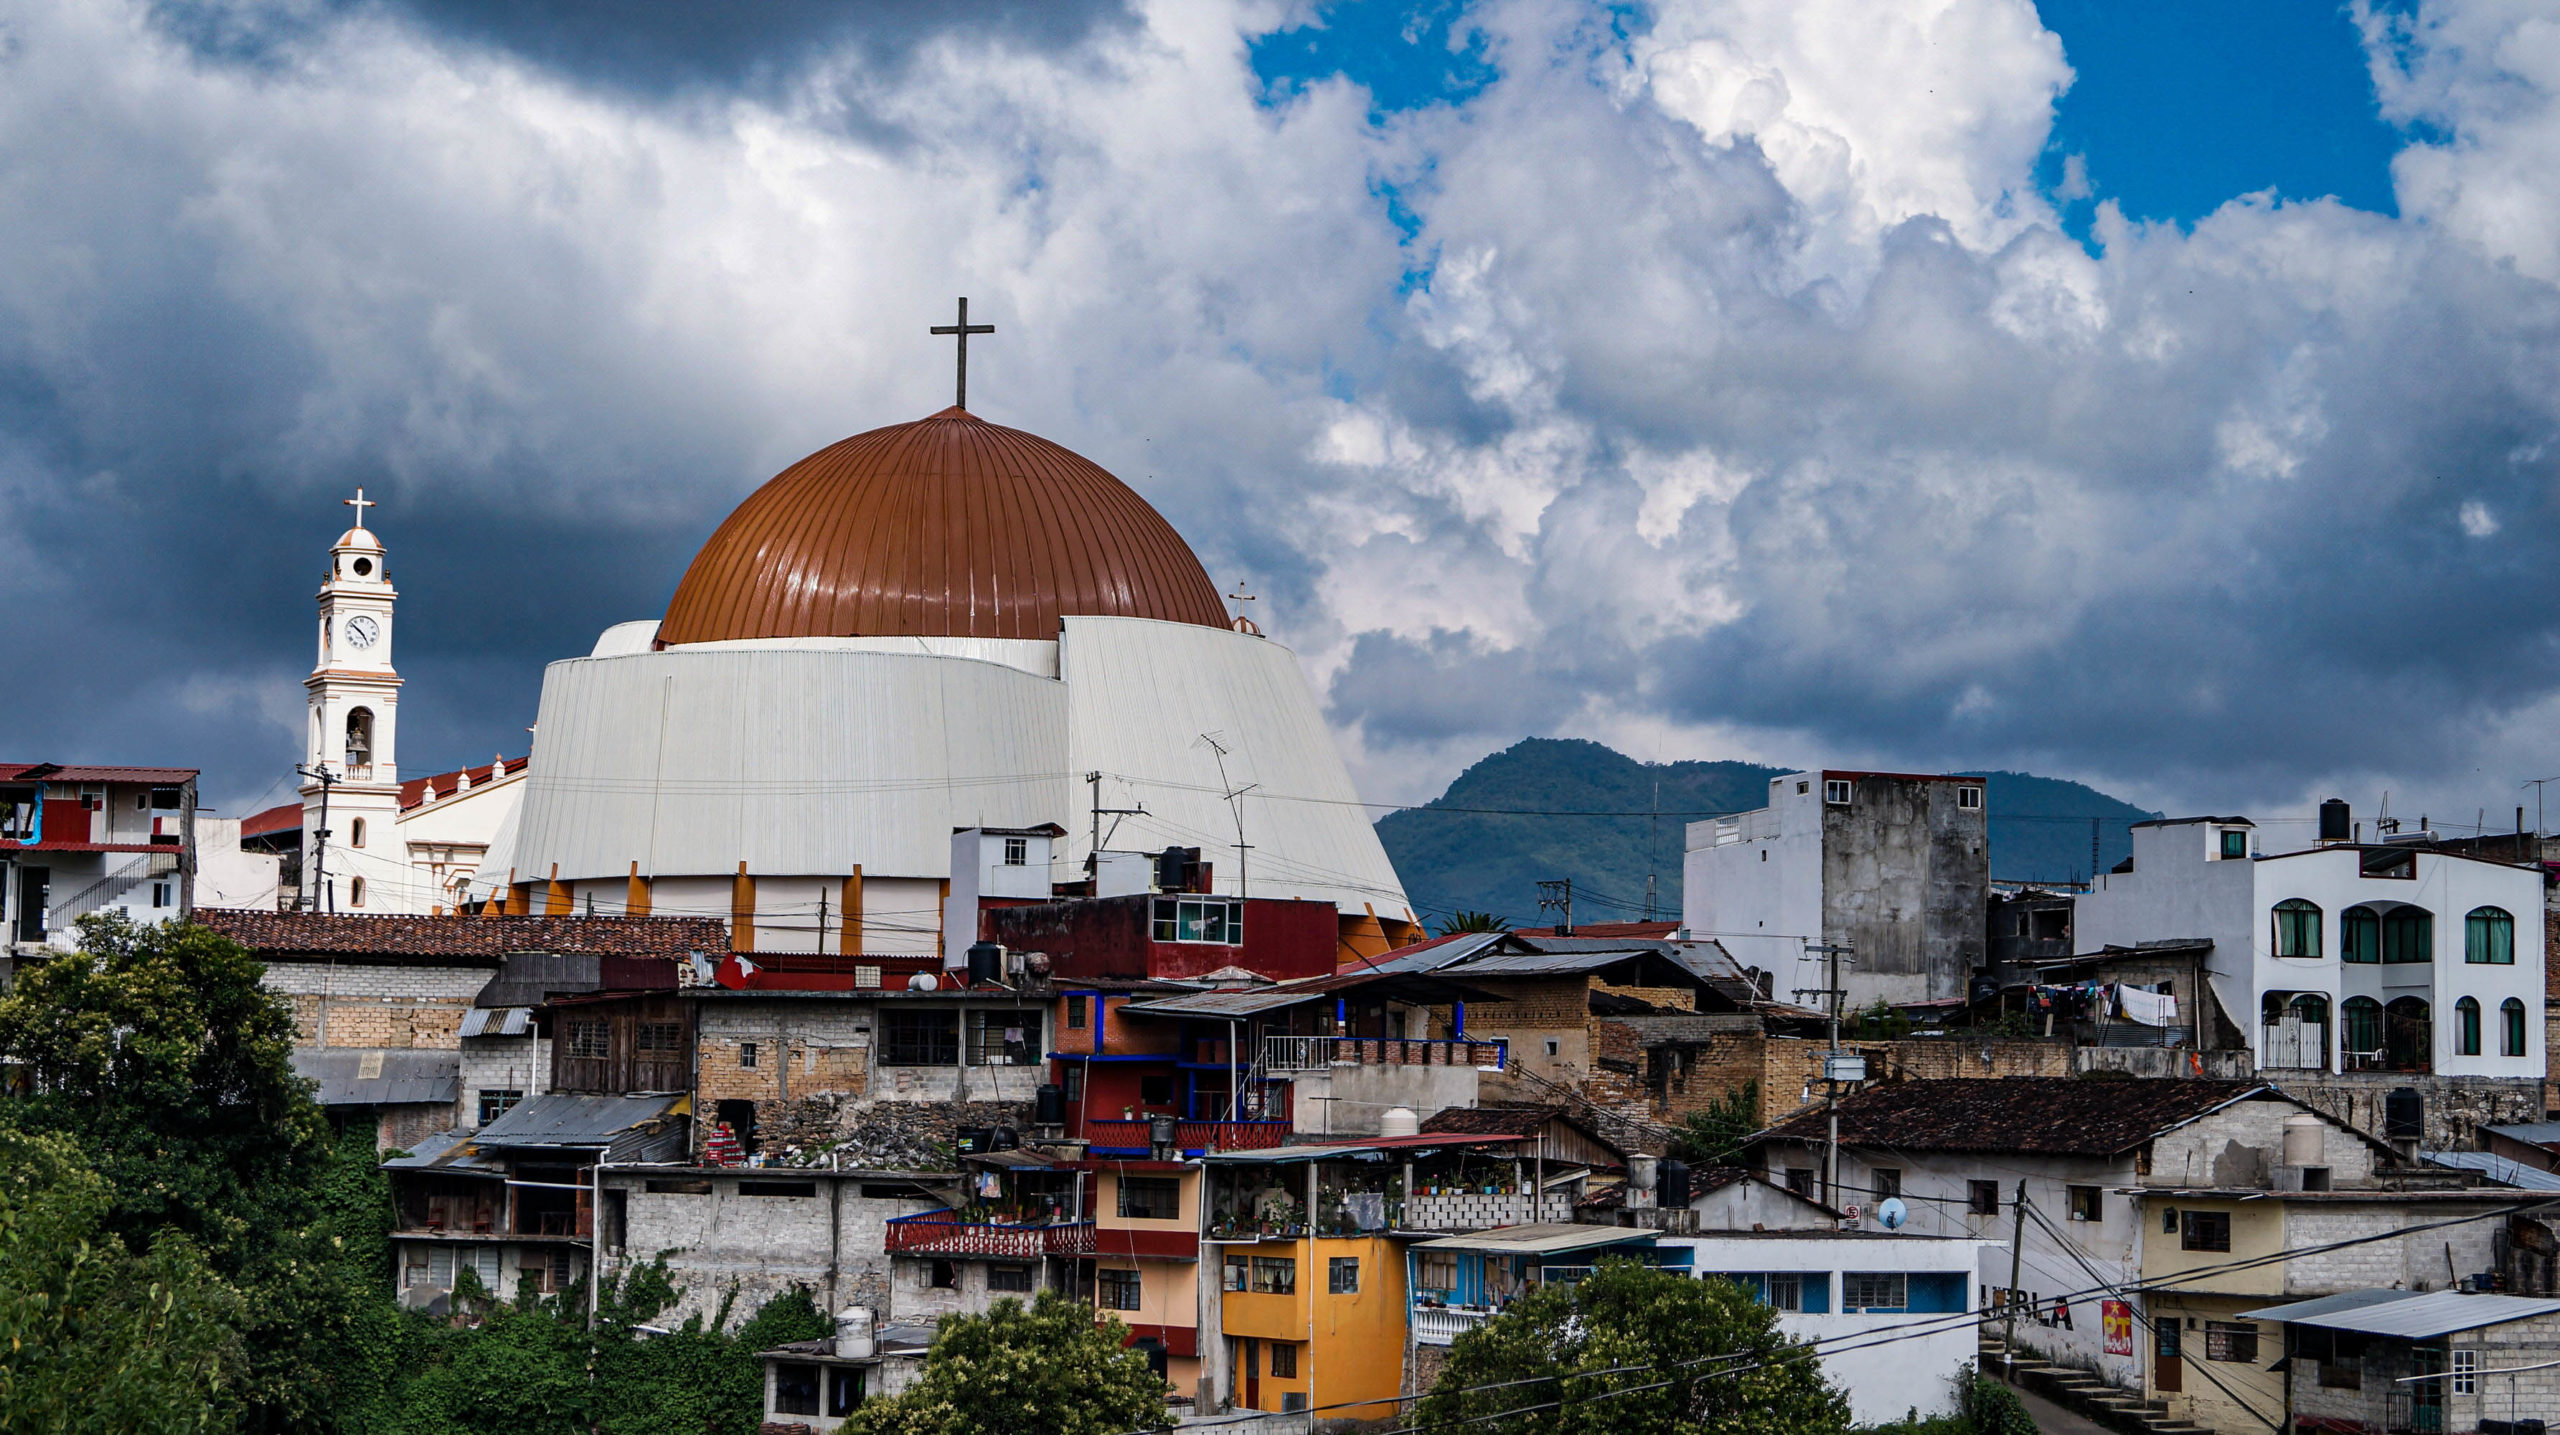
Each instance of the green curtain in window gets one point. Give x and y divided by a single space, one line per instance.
2409 935
2364 1025
2297 928
2489 937
2360 933
2466 1013
2511 1016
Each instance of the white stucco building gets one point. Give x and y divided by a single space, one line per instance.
1908 1295
2340 958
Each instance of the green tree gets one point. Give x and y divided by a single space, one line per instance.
1713 1135
1046 1367
1627 1349
1464 921
156 1048
1880 1022
93 1337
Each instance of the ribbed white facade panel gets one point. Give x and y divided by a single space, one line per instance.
794 762
1140 695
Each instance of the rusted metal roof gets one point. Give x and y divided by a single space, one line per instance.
2049 1115
946 527
67 772
482 937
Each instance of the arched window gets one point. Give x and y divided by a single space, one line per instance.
360 737
2408 935
2466 1027
355 891
2489 937
2296 1034
355 833
2312 1009
2511 1018
2409 1035
2364 1034
2360 935
2297 928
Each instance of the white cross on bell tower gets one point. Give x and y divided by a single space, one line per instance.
353 858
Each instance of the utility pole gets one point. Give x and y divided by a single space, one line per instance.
1093 854
1652 847
1235 806
2017 1260
2093 854
320 836
1557 896
1836 1068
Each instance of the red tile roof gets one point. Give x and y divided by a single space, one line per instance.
2053 1115
285 818
489 937
445 784
1492 1120
63 772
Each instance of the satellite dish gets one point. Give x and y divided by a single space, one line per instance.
1892 1213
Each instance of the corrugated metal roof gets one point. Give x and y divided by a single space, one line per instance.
2532 1133
2404 1315
350 1076
446 1151
1549 1238
2504 1170
66 772
1345 1149
497 1021
565 1119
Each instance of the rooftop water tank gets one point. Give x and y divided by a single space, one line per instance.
2302 1137
853 1334
1399 1121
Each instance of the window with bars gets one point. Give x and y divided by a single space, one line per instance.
660 1038
1121 1290
1018 1278
495 1102
1004 1038
919 1038
590 1040
1284 1360
2204 1230
1151 1198
2235 1341
1873 1290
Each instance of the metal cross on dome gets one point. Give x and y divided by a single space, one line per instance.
962 331
359 503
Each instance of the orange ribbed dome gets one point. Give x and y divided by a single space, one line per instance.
946 527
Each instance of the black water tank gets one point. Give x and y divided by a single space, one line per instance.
975 1140
1177 869
1049 1105
1006 1139
2334 823
1671 1186
986 963
2404 1115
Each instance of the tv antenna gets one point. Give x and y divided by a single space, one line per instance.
1235 805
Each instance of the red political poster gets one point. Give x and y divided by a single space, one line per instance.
2118 1318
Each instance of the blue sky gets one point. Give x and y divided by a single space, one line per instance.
1712 378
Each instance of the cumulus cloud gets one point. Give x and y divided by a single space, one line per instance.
1720 380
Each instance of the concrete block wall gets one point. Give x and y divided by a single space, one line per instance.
2242 1144
365 1005
2456 1106
1481 1212
762 1246
2424 1260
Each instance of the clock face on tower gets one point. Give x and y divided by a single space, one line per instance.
362 630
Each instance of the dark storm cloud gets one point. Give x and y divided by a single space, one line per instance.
659 49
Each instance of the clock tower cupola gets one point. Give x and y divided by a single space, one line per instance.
351 786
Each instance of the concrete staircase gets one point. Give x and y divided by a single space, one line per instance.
2119 1410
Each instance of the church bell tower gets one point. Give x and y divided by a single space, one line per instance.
352 856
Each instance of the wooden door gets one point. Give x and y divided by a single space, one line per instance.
1249 1362
2168 1371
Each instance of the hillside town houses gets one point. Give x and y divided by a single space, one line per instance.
891 954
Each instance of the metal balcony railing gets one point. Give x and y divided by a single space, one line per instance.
946 1233
1192 1135
1287 1054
